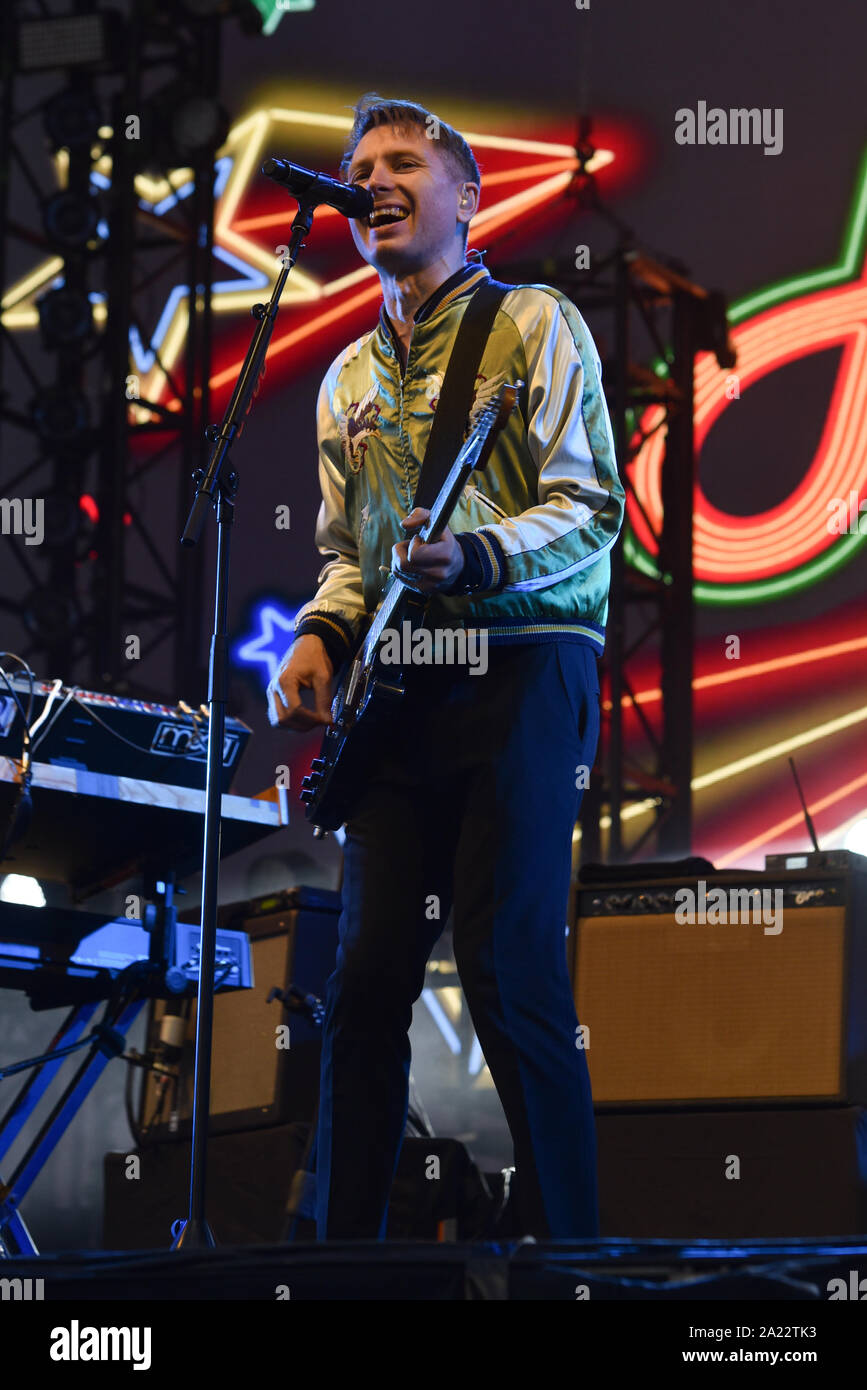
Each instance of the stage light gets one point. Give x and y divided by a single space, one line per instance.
67 41
49 614
65 317
63 521
90 508
179 126
70 219
198 123
856 837
61 415
72 119
20 888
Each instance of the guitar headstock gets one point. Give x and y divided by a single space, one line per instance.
474 454
494 418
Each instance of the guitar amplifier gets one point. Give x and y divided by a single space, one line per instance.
114 735
256 1080
744 988
667 1174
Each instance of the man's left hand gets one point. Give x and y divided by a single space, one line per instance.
423 566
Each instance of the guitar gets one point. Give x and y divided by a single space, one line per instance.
370 689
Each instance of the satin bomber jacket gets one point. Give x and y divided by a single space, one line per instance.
536 525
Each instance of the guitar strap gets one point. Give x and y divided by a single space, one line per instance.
458 388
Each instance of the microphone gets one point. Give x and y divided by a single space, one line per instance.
312 188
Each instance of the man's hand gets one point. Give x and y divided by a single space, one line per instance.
306 666
423 566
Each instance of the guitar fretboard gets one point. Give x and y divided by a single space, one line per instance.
440 513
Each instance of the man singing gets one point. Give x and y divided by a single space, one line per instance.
473 805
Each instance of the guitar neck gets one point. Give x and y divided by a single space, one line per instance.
440 515
383 617
473 454
447 497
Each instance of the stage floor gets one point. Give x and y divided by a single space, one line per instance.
605 1270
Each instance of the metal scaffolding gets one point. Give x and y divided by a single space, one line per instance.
87 260
657 319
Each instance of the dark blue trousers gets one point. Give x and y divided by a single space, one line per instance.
472 808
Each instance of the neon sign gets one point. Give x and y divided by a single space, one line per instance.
272 11
751 559
524 175
273 629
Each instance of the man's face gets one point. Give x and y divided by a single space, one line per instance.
406 173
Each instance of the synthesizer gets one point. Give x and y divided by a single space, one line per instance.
113 734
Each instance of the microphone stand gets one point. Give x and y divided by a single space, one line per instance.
217 486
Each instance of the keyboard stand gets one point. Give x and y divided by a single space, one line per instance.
15 1238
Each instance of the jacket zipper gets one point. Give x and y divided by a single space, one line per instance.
402 369
403 442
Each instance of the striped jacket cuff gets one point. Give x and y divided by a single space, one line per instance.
336 635
486 562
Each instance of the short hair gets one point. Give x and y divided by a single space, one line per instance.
373 110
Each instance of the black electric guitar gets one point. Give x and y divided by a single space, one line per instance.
370 688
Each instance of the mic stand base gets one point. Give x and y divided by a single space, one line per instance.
195 1235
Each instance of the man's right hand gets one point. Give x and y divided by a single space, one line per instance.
306 666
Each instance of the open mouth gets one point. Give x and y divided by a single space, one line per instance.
386 215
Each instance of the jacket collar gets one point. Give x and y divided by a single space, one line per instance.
464 281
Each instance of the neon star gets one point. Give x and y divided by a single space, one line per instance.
274 625
537 174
